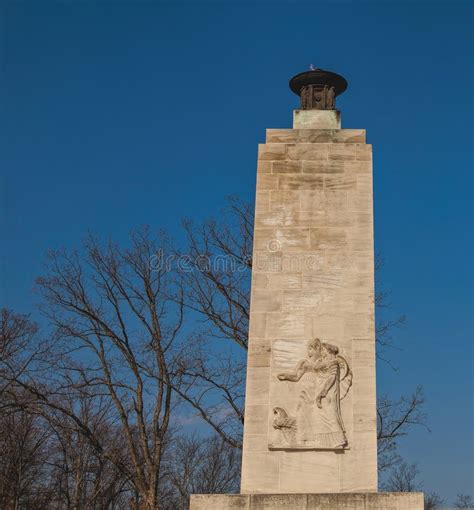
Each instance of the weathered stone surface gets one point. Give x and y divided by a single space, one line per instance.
312 278
220 502
258 382
258 325
277 502
342 151
323 167
256 416
342 501
266 300
266 182
328 238
316 119
303 182
315 136
339 182
307 151
271 151
264 167
286 167
292 239
259 354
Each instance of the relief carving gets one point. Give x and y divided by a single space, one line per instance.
285 424
330 96
323 379
318 97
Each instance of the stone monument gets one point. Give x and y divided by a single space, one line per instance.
310 433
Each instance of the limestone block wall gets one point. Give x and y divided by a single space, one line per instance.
313 277
347 501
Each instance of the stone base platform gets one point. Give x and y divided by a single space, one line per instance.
340 501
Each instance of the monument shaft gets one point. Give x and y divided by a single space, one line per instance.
310 415
310 429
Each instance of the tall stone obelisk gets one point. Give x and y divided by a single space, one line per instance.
310 433
312 285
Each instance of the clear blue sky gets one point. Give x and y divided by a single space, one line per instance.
116 114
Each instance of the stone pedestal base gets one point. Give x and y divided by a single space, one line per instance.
341 501
316 119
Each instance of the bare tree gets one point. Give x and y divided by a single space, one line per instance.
23 437
404 479
17 334
464 501
80 477
101 391
386 322
201 466
115 328
24 450
217 290
395 418
433 501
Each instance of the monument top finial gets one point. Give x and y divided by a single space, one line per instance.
318 88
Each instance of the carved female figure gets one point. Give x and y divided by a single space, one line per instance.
325 379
